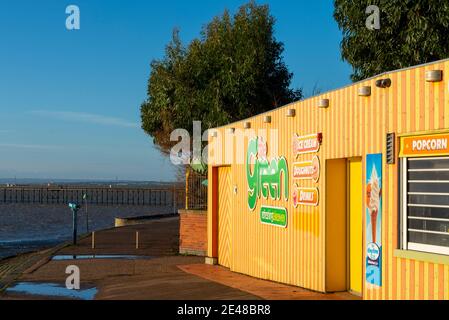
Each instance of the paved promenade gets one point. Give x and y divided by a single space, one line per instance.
159 273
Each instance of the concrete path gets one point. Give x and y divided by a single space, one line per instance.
158 273
155 276
266 290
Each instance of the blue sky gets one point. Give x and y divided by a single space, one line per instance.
69 100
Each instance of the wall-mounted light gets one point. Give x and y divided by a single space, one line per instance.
323 103
214 134
365 91
231 130
383 83
267 119
434 76
247 125
291 113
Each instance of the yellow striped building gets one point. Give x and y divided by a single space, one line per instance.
322 245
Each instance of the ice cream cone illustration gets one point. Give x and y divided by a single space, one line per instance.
373 192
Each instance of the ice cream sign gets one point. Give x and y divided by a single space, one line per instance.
424 146
307 144
266 179
373 203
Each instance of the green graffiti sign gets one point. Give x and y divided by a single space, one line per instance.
265 178
274 216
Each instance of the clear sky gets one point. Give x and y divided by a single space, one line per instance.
69 100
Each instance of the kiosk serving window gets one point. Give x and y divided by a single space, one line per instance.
425 195
426 202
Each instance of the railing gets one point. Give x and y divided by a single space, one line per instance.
162 197
196 191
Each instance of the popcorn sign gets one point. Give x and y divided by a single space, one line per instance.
425 146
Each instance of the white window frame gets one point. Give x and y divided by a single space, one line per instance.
404 207
406 245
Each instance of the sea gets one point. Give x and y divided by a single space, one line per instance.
30 227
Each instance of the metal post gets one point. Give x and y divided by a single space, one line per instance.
93 240
75 225
174 200
87 213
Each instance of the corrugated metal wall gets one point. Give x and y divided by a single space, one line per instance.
352 126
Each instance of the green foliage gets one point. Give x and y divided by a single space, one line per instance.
233 71
412 32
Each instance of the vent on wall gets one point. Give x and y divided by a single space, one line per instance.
391 150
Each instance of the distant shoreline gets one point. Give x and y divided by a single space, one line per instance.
84 182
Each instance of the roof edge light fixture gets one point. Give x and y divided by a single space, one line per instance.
214 134
231 130
434 76
247 125
291 113
364 91
267 119
323 103
383 83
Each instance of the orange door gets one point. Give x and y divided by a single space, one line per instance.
355 226
224 216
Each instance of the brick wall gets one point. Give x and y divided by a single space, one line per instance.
193 232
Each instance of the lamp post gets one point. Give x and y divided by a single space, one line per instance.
74 207
87 214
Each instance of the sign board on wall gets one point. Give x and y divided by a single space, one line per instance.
306 144
425 146
305 196
274 216
373 231
268 180
307 170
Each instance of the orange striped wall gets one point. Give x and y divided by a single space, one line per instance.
352 126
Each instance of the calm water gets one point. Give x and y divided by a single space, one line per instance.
25 228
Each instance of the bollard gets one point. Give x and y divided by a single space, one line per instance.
137 240
93 240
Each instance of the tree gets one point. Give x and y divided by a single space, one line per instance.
411 32
233 71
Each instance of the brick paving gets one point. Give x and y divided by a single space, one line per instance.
266 290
